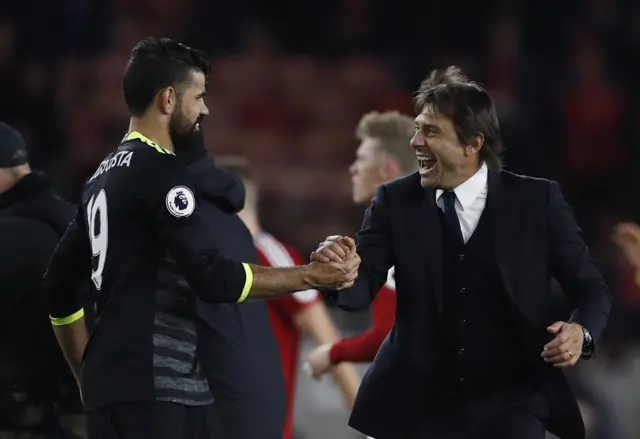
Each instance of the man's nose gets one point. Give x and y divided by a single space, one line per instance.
417 141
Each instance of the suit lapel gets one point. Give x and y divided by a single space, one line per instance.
503 225
427 228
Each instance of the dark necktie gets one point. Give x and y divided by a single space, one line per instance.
451 217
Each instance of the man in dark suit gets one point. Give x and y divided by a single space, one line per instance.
476 350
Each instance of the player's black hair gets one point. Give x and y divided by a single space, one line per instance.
157 63
468 105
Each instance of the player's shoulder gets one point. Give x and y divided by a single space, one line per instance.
141 169
150 156
136 154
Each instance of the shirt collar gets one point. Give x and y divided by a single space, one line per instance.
468 191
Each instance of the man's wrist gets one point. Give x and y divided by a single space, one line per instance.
587 344
308 276
587 341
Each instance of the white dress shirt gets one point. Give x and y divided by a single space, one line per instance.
471 198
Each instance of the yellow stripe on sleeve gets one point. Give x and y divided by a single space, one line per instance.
61 321
638 277
248 282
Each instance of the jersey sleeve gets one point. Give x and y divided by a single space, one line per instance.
68 266
171 203
364 347
281 255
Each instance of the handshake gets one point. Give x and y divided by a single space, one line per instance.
335 263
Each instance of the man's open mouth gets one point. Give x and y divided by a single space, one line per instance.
427 163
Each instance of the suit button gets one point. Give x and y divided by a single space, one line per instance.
462 256
462 379
463 290
450 394
463 322
461 351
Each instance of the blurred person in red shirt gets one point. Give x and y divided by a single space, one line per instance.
303 312
627 237
384 154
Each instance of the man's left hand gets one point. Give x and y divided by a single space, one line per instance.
318 361
566 347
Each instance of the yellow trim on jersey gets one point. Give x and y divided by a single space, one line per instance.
136 135
248 282
61 321
638 277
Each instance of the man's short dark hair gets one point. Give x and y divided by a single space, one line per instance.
157 63
452 94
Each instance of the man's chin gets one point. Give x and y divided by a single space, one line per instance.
360 198
428 182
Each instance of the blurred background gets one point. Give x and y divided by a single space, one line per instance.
290 81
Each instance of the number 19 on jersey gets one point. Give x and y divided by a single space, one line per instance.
98 234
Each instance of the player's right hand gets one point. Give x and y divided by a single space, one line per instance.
333 274
335 248
627 237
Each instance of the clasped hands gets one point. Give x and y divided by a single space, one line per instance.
339 251
566 347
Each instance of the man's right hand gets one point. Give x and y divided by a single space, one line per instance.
627 237
336 249
333 274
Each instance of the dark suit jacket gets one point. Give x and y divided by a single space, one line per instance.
535 237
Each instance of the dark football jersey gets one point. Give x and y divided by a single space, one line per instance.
137 206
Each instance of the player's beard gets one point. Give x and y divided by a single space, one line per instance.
184 133
187 140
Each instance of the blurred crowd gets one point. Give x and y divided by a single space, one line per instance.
291 79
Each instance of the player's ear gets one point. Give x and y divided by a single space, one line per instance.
168 100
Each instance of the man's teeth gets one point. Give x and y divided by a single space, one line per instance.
426 162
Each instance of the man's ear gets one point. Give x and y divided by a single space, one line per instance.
392 170
475 146
168 100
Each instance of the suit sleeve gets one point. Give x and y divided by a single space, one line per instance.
375 249
185 232
573 267
69 265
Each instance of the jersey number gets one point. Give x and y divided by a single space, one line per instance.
97 211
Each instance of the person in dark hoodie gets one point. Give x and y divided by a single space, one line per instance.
235 342
37 390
